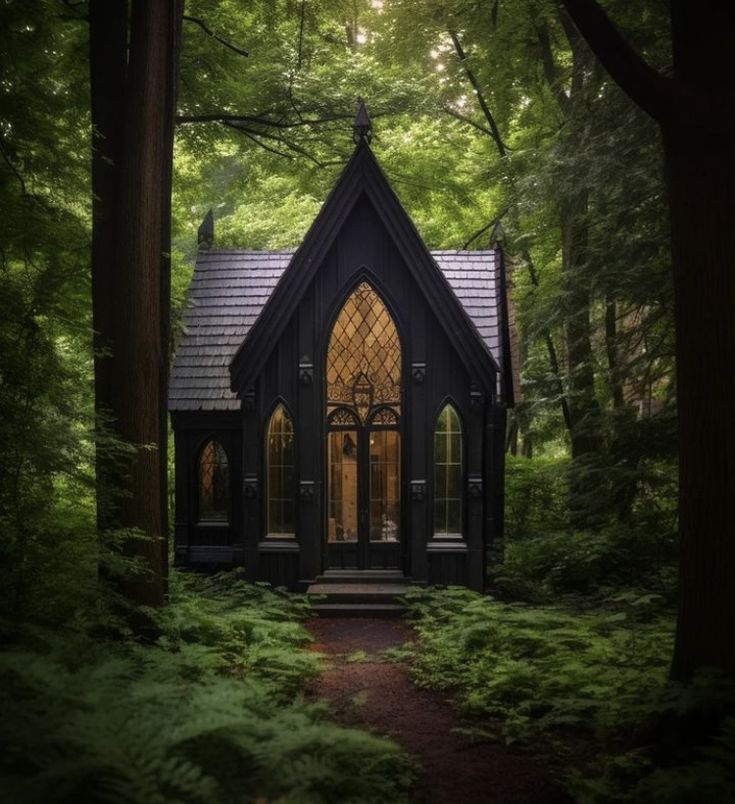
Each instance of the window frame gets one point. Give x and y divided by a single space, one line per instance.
202 518
445 535
292 534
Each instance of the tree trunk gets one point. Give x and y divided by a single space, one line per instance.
702 182
108 32
134 286
611 347
697 118
583 407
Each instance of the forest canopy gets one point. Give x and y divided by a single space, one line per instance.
589 140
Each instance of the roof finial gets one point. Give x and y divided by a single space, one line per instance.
205 235
362 128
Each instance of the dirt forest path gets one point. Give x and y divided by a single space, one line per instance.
380 697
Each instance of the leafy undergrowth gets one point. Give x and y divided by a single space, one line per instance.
209 712
533 668
600 674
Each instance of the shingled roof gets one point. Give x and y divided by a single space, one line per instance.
230 288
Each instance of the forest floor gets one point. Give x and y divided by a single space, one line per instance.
367 691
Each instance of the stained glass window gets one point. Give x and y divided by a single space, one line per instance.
384 416
342 417
214 483
281 492
448 475
364 356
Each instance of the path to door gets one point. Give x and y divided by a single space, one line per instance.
380 697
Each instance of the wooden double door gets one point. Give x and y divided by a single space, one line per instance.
363 506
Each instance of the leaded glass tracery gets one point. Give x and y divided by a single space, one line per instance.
364 355
214 483
341 417
384 416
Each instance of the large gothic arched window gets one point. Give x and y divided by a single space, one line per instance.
364 356
448 475
281 457
214 483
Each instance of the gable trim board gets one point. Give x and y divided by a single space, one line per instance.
362 176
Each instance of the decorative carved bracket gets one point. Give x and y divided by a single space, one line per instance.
418 372
250 487
418 490
307 490
474 486
306 373
248 401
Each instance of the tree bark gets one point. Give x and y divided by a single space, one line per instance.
696 113
702 202
132 295
108 32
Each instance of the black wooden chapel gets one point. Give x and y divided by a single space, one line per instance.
343 405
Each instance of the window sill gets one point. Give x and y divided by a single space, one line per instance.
213 523
273 545
446 546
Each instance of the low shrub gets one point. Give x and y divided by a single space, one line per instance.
207 713
531 669
586 562
536 496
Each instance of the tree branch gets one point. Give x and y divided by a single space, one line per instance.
13 169
653 92
251 134
218 117
494 132
494 222
211 33
550 72
464 119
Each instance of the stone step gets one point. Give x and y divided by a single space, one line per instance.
358 592
358 610
362 576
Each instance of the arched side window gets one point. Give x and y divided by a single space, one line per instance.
448 475
281 463
214 483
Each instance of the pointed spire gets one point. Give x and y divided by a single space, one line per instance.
362 128
205 235
497 236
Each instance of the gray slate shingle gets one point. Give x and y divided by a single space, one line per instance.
230 288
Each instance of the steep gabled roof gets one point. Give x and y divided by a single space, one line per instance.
230 289
362 177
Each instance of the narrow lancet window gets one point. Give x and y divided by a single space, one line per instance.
214 483
281 457
448 475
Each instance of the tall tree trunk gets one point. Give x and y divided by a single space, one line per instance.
108 42
611 348
135 284
697 118
583 406
704 288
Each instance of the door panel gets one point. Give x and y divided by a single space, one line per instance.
364 499
385 485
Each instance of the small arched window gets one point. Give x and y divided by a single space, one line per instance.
448 475
214 483
281 458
